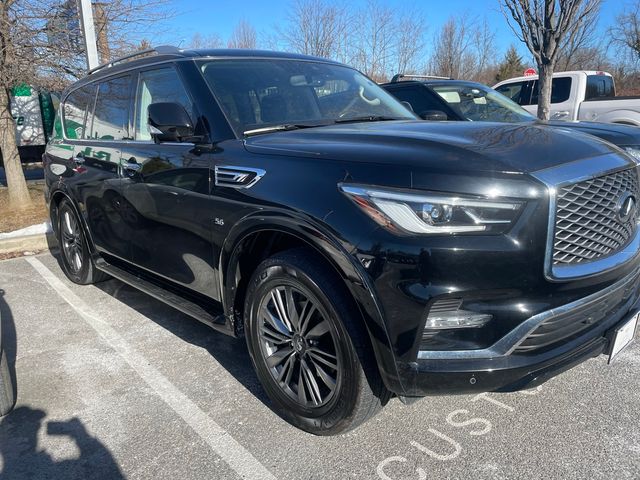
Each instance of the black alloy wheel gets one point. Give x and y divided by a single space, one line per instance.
309 346
75 260
299 346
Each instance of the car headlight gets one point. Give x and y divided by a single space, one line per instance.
634 151
433 213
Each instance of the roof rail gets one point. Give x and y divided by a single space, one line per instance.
159 50
399 76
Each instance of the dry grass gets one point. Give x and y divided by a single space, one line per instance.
14 219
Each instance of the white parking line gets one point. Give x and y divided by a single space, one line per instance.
234 454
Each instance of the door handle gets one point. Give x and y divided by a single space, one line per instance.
560 114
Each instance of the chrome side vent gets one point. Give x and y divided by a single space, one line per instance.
237 177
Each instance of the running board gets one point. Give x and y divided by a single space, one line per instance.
192 309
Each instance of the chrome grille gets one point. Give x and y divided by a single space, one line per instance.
587 225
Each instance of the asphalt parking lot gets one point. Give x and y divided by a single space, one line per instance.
114 384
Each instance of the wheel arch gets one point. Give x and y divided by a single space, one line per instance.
55 198
259 236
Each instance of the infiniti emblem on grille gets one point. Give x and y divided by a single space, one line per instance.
626 207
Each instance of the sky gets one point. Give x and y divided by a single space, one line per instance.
221 16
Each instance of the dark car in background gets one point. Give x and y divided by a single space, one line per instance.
362 252
461 100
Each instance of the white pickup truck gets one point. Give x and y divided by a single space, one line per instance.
580 95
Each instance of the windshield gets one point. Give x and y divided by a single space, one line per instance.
256 94
482 104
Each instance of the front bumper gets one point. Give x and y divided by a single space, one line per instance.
507 366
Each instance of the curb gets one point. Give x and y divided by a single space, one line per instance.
28 243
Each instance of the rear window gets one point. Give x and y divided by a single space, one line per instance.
599 86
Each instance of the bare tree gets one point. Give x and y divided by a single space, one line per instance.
316 28
374 39
451 46
544 26
576 49
462 48
212 40
410 41
484 49
243 36
41 45
626 32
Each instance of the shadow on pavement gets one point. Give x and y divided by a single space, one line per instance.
23 459
8 352
20 429
231 353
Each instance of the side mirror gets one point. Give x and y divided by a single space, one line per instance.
169 122
436 115
407 105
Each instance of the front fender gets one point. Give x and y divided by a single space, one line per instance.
333 250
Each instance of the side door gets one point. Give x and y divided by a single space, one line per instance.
98 157
167 186
563 105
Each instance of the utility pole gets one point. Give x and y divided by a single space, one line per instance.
89 33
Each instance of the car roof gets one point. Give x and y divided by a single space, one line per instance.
168 53
434 82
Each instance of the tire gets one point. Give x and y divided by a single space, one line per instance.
7 390
75 256
320 344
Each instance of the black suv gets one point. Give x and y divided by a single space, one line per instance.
362 252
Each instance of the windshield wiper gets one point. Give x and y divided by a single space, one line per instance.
368 118
282 128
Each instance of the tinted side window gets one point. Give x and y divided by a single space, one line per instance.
420 98
75 111
560 90
512 91
155 86
111 114
599 86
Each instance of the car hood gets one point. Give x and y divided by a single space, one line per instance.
621 135
441 146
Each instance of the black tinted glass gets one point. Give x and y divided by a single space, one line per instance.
599 86
512 91
75 111
257 93
111 114
419 97
560 90
156 86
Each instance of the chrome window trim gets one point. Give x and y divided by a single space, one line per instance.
507 344
575 172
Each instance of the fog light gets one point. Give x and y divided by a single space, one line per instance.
446 314
456 319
